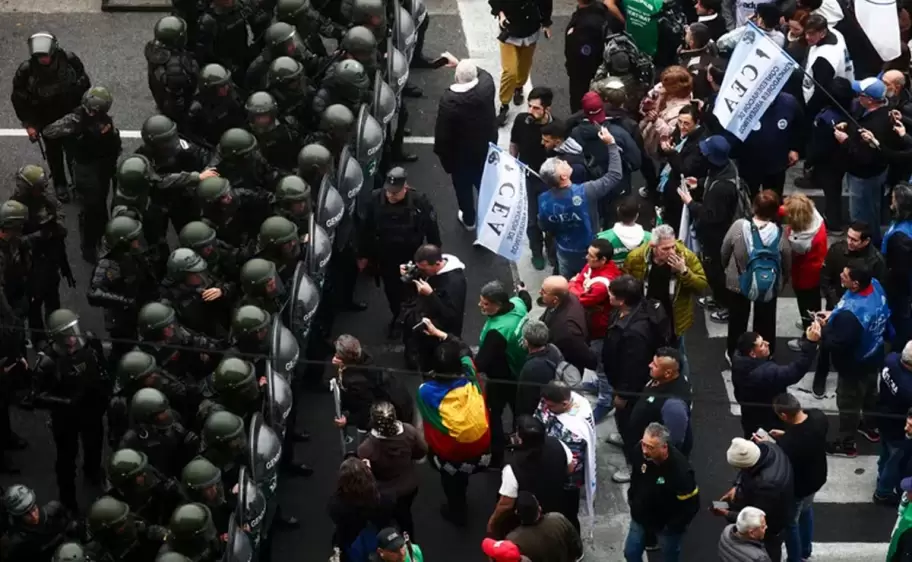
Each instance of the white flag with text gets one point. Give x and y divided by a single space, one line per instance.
502 207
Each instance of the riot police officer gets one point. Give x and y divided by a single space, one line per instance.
418 10
156 432
239 160
287 82
250 334
35 531
315 161
371 14
46 231
337 123
172 70
69 552
202 483
192 532
224 444
237 387
224 36
137 370
72 380
360 44
149 493
124 278
163 336
281 40
397 221
216 107
221 258
262 285
117 535
310 23
169 154
202 301
278 137
16 260
94 144
279 242
235 214
293 201
346 83
46 87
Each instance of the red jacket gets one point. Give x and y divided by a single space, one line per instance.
806 265
591 287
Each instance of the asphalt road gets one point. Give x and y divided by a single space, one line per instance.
111 48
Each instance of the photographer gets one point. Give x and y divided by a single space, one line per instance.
440 293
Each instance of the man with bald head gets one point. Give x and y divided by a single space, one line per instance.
566 321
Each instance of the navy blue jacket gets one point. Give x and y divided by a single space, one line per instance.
894 398
822 145
765 151
757 381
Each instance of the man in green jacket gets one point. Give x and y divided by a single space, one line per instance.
672 275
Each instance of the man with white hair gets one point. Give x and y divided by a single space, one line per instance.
466 123
672 275
569 211
893 402
742 541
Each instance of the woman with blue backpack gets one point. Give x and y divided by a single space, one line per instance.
756 257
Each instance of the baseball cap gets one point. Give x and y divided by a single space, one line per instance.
716 149
501 551
906 484
390 539
873 88
395 180
593 107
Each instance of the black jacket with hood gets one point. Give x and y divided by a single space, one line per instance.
466 123
716 212
628 350
769 486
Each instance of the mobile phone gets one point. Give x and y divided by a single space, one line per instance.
439 62
720 505
761 433
419 326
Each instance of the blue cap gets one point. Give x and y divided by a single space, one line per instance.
906 484
716 149
873 88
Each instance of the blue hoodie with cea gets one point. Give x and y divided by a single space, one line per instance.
570 213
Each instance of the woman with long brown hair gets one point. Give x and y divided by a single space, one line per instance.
358 509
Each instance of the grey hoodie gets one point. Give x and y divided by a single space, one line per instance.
734 548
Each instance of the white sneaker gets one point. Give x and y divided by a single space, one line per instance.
644 193
621 475
615 439
469 227
727 358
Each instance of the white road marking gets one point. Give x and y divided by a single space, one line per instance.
786 317
848 551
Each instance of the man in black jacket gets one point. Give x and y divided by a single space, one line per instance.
663 495
709 13
465 125
539 368
566 321
584 43
758 380
522 23
765 481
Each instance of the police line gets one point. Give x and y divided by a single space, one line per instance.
134 134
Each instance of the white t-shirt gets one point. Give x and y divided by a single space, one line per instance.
509 486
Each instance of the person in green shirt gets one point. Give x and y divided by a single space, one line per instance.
392 546
626 234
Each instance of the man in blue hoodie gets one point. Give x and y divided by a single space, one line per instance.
893 403
569 210
772 147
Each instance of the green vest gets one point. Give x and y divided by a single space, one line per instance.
510 326
903 524
620 250
419 556
641 23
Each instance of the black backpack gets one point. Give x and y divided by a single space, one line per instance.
623 58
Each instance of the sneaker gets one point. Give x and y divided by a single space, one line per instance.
502 115
518 96
707 302
644 193
728 358
615 439
719 316
601 413
800 325
889 500
653 547
795 344
538 262
842 448
871 434
469 227
819 388
621 475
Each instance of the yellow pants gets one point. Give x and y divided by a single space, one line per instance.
516 63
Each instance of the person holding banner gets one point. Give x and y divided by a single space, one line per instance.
569 211
827 59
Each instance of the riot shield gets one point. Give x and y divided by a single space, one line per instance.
251 507
330 207
350 175
385 102
405 33
283 348
264 452
238 547
368 146
303 303
418 10
279 401
319 252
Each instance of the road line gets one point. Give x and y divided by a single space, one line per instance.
848 551
787 316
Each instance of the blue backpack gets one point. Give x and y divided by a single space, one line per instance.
760 279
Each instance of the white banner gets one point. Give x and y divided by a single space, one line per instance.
757 71
502 207
880 22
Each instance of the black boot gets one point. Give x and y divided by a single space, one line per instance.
293 468
412 91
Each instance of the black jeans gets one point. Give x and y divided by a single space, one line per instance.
534 187
403 513
739 309
466 182
773 544
500 395
856 398
808 301
715 272
829 179
757 181
454 488
622 418
68 430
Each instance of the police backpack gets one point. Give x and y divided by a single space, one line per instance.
623 58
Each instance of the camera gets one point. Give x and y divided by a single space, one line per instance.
412 273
